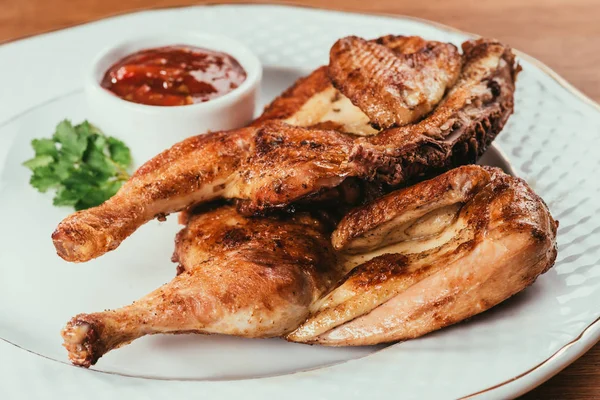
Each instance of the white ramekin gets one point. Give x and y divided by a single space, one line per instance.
148 130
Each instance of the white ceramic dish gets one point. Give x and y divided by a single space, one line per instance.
164 126
551 141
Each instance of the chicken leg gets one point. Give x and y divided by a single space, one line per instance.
252 277
409 263
271 164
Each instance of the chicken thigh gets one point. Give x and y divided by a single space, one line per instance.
252 277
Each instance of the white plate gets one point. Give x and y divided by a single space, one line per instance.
551 141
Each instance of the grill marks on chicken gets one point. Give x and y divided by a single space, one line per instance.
408 263
269 166
251 277
414 279
465 122
383 112
419 211
395 80
272 164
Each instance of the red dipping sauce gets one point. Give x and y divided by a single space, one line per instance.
174 76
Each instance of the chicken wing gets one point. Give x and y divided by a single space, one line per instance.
272 163
397 83
432 255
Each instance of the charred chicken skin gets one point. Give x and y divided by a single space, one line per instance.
385 122
431 255
252 277
409 263
394 81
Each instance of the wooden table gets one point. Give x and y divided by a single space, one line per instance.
565 34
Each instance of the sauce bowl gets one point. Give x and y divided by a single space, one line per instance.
150 129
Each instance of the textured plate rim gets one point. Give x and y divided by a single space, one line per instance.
558 360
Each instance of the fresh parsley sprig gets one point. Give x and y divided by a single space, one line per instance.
85 166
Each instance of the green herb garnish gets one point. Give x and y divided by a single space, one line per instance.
85 166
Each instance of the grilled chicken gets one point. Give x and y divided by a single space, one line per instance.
406 264
431 255
397 83
252 277
273 163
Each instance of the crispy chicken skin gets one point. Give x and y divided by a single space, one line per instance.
408 263
382 113
260 164
252 277
432 255
301 147
394 80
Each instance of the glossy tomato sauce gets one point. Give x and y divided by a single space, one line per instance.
174 76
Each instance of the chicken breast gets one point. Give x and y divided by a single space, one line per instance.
432 255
